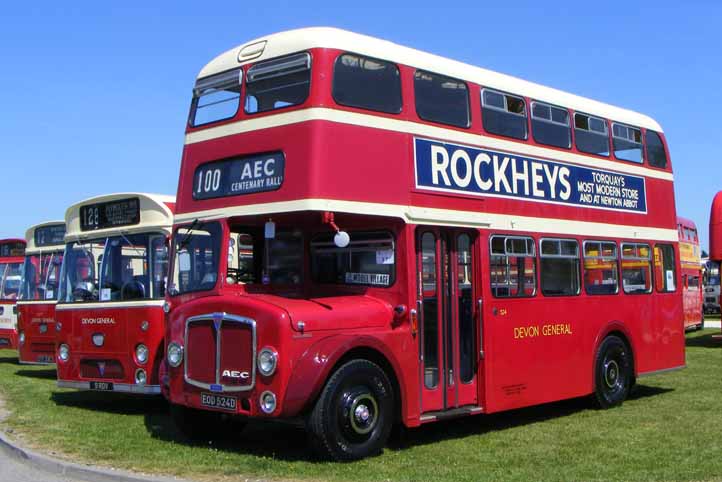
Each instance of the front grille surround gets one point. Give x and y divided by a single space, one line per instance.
222 317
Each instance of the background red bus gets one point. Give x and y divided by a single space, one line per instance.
691 264
39 292
367 234
109 311
715 251
11 262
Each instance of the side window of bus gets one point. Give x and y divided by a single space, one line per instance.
159 257
512 266
216 97
241 265
601 268
367 83
550 125
665 273
559 265
503 114
627 142
655 150
636 268
278 83
591 134
441 99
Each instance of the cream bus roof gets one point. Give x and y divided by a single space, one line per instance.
303 39
154 215
32 248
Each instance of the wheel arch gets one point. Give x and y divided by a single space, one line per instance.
319 362
615 328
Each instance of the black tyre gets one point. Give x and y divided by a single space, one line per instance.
353 416
613 373
205 425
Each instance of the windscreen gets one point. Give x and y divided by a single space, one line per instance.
10 278
196 251
41 275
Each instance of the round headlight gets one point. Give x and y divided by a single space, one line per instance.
175 355
140 377
267 402
141 353
267 361
63 352
21 337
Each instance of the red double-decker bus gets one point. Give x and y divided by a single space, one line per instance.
39 292
715 252
11 263
110 309
367 234
691 264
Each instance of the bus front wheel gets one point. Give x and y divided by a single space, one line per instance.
353 416
612 372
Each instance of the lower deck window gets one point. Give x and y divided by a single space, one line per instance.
665 272
513 266
369 259
559 267
636 268
600 268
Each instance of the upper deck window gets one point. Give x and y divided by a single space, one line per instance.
656 156
367 260
550 125
591 134
367 83
216 97
441 99
278 83
627 142
503 114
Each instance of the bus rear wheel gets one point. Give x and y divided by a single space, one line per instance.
353 416
613 372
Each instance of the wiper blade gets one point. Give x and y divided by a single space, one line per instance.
188 235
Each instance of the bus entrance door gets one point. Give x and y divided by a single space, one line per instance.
448 294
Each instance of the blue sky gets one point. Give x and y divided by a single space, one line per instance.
96 94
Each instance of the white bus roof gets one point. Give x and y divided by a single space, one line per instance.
291 41
31 248
155 215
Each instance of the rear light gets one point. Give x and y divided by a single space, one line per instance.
174 355
63 352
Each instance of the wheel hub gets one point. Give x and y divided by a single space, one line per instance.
611 373
362 413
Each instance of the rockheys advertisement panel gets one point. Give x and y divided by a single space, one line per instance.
443 166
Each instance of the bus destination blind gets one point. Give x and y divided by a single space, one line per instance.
242 175
111 214
49 235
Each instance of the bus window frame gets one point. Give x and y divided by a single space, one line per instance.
616 258
578 257
650 264
244 90
533 256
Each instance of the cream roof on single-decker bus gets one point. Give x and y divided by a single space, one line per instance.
31 248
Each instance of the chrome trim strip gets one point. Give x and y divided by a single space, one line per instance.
62 306
663 370
21 362
224 317
117 387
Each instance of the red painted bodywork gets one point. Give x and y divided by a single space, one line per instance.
39 346
693 296
121 338
715 229
9 336
330 160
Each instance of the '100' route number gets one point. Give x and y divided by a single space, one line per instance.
209 181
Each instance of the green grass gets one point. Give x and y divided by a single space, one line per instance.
669 429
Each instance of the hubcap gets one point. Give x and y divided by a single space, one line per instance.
611 373
361 412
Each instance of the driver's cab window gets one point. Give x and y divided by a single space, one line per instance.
80 281
255 259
